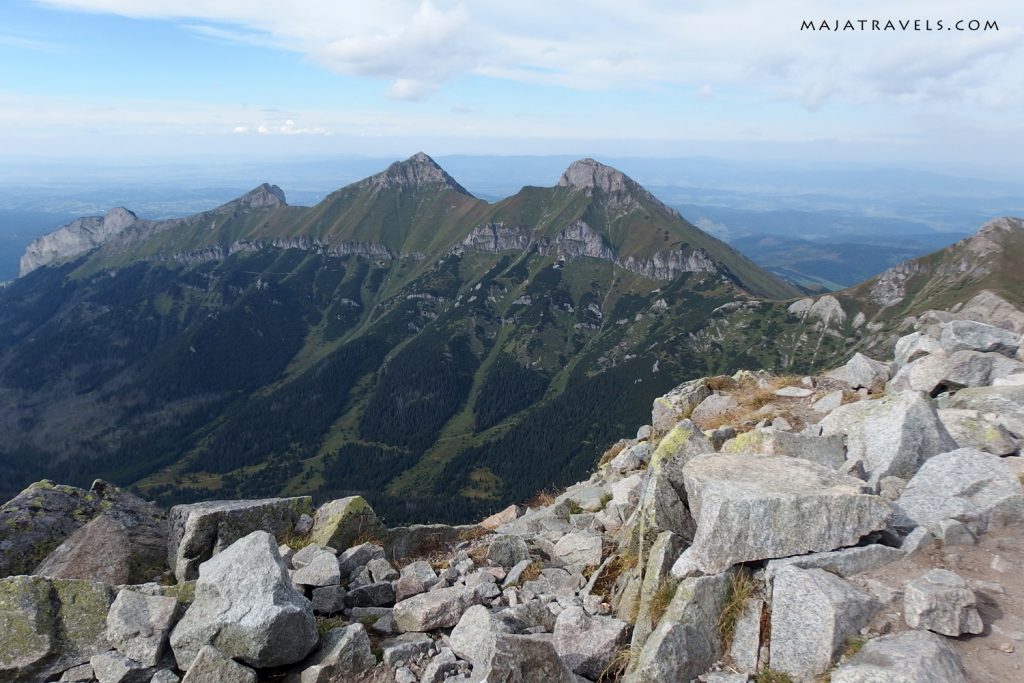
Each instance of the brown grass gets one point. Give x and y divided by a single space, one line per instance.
478 554
618 565
474 533
294 541
740 591
772 676
610 454
618 665
661 599
542 499
531 573
720 383
325 624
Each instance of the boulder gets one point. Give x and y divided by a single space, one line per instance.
861 372
940 372
83 673
523 659
125 543
498 518
328 599
49 626
321 570
406 648
892 435
972 487
355 558
712 407
813 614
343 653
750 507
506 551
828 402
909 657
587 643
632 458
686 641
113 667
1003 405
40 518
340 523
246 607
381 570
165 676
474 637
212 665
440 608
198 531
415 578
138 625
379 594
940 601
914 346
970 429
579 549
960 335
677 404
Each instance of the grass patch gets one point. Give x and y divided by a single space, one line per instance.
619 664
853 646
531 573
1020 478
772 676
618 565
474 533
294 541
605 499
325 624
610 454
542 499
740 591
661 599
574 508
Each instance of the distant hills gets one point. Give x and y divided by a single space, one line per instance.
441 354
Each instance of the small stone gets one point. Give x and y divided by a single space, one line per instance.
1007 648
940 601
793 392
303 525
322 570
381 570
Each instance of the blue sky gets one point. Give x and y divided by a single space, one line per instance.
156 79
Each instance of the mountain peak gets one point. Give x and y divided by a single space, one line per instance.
263 197
419 170
588 173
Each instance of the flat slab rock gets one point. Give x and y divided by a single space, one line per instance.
751 507
909 657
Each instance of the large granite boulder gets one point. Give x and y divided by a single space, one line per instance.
939 372
474 637
753 507
120 546
48 626
212 665
523 659
1003 405
687 640
908 657
829 451
813 614
246 607
960 335
971 429
677 404
892 436
38 520
974 488
198 531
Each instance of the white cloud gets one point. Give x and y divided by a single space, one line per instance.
419 45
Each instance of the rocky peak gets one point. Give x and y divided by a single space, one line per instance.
265 196
988 238
419 170
589 174
117 219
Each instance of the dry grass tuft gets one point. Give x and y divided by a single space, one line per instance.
741 589
618 565
542 499
478 554
325 624
531 573
294 541
474 533
618 665
772 676
610 454
661 599
721 383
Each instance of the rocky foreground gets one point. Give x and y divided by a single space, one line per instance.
859 526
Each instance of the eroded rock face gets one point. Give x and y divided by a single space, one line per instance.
139 625
245 606
751 507
200 530
338 523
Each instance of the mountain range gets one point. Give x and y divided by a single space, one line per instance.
437 353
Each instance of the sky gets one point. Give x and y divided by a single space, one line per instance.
192 79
